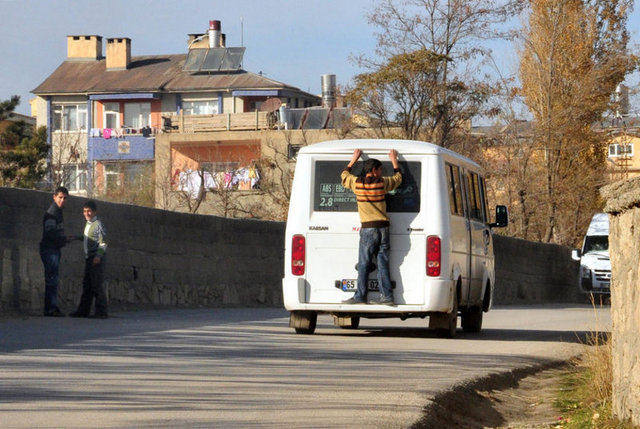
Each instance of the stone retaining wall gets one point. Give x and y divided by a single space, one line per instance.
528 272
155 257
161 258
623 206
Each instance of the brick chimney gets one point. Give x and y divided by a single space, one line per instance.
118 53
84 48
197 40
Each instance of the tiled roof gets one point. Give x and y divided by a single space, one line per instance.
147 74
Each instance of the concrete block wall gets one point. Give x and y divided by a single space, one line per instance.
528 272
162 258
623 206
155 257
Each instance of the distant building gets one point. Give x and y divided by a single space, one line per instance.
107 115
15 117
624 132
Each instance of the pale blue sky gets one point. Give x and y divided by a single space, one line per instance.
292 41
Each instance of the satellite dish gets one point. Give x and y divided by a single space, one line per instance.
271 105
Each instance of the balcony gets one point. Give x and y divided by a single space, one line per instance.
225 122
126 144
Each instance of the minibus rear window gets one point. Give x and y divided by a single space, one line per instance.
330 196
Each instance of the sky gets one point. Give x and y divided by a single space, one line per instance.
291 41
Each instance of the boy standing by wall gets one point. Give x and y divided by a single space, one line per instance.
95 247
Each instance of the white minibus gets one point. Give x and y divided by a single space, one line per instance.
441 259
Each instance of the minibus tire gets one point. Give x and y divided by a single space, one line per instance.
471 320
453 321
450 320
304 322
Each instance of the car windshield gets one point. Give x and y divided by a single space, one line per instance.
596 243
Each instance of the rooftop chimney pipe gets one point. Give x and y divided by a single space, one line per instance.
214 34
328 82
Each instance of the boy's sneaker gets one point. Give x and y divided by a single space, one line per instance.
384 301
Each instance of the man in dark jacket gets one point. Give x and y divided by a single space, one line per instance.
53 239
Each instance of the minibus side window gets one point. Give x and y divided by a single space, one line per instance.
455 192
474 197
484 200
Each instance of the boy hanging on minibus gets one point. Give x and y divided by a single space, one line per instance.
370 190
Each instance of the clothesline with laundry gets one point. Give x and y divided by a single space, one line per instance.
108 133
243 179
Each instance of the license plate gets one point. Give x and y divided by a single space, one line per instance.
350 285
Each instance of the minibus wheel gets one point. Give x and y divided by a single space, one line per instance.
304 322
471 319
446 324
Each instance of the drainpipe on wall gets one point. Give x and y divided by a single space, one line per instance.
49 139
89 163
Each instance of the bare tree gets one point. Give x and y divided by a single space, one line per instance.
446 33
66 148
569 69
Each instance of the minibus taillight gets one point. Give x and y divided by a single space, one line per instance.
434 255
297 255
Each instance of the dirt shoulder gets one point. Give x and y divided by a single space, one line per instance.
522 398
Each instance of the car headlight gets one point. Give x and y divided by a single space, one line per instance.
585 273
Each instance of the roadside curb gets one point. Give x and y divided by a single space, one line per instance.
463 406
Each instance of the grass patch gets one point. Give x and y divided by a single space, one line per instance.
584 400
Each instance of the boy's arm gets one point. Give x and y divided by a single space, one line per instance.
394 181
354 158
346 177
393 156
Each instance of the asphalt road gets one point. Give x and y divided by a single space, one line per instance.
246 368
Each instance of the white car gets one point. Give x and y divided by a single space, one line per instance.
595 266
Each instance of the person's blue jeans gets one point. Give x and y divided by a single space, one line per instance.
374 245
51 261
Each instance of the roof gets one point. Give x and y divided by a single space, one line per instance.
148 74
381 147
15 117
599 224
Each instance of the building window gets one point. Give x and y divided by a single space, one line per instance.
137 115
136 174
616 150
69 117
74 177
112 115
200 107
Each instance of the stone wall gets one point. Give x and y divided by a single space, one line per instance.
155 257
163 258
528 272
623 206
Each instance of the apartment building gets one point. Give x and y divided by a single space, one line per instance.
105 113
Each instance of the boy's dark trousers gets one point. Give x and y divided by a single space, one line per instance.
92 288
